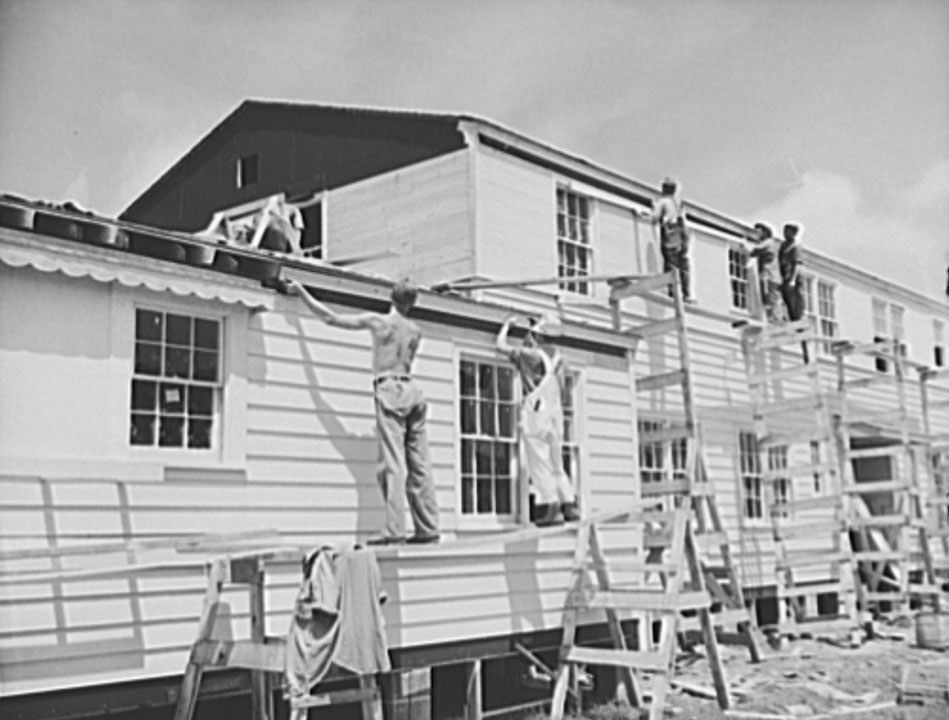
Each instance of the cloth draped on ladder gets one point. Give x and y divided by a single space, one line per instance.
337 619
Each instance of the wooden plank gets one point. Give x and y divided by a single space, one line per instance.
788 531
814 503
660 380
337 697
769 376
860 488
646 600
654 329
618 658
884 451
245 654
473 691
838 586
639 286
891 520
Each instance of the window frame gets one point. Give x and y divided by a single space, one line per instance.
581 248
218 386
749 468
827 325
739 281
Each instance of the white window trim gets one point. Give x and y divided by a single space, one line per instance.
826 348
230 448
744 520
733 307
591 293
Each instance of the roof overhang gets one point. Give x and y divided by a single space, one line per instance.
50 255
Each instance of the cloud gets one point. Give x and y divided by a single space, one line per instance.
904 238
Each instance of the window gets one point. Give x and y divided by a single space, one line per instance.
888 327
574 251
654 458
879 318
738 276
780 486
488 437
826 313
939 343
570 448
176 381
750 468
247 166
897 328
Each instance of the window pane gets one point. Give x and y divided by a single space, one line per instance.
572 231
505 383
502 459
466 377
177 362
486 381
506 420
171 432
485 499
144 394
467 456
148 325
206 333
467 494
147 359
487 418
142 430
502 496
178 329
172 399
205 366
200 401
483 458
572 204
469 424
199 433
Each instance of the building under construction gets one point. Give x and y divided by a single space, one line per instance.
175 432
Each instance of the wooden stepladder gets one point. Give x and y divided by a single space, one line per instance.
655 588
685 481
888 512
797 454
937 465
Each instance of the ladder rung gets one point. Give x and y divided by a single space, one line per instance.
815 503
884 451
868 381
646 600
652 329
783 374
878 486
792 438
661 380
798 471
813 589
640 286
893 520
878 555
801 560
807 529
618 658
666 487
338 697
665 435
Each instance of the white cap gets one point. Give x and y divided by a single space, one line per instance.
549 324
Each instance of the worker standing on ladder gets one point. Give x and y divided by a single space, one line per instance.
769 274
404 464
541 369
669 215
792 284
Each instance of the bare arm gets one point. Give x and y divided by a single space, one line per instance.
352 321
502 343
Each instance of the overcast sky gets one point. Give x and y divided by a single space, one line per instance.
833 113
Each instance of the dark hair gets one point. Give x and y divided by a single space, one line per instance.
792 228
404 294
765 228
669 186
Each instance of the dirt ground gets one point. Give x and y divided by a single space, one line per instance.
810 678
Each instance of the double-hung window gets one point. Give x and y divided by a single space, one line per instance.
738 277
655 457
750 471
827 313
574 240
488 437
176 380
780 486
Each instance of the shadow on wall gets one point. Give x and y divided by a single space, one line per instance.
523 588
370 509
50 645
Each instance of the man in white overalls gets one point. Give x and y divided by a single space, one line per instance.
541 369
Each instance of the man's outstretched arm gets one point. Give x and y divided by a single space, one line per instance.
355 321
502 342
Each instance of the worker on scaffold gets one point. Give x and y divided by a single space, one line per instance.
542 372
668 215
404 468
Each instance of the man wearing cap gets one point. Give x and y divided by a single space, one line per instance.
404 468
769 274
541 369
792 284
669 215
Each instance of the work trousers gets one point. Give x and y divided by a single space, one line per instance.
676 257
771 299
793 295
404 469
542 431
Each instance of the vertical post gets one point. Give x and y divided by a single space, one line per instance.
191 684
473 690
372 706
261 699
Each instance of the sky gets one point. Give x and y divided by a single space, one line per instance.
830 113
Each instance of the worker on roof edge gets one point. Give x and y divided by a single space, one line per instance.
668 215
542 372
404 467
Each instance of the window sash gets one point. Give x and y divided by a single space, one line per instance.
574 240
750 472
738 277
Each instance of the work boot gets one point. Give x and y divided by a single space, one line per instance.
385 540
548 514
423 539
571 513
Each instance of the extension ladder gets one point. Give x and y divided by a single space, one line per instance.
689 484
653 584
796 447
